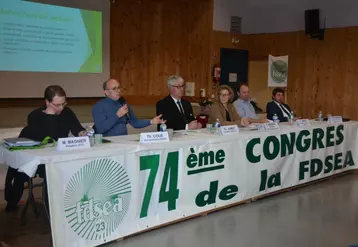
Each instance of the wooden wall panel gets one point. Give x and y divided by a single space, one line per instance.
152 39
258 73
322 74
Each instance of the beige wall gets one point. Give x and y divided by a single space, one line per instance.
258 73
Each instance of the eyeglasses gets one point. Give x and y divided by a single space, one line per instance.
224 94
179 87
114 89
59 105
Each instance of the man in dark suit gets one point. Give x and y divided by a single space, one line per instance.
276 106
177 111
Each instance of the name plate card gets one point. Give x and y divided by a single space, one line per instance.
154 137
335 120
229 130
73 143
271 126
303 123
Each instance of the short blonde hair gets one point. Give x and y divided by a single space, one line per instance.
228 88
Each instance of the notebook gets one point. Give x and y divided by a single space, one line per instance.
20 142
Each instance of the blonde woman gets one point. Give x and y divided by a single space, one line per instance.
224 110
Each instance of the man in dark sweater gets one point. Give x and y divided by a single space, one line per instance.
54 120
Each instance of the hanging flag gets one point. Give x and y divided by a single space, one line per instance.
277 71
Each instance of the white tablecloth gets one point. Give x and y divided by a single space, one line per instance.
28 160
17 161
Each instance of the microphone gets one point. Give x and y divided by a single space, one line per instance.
123 102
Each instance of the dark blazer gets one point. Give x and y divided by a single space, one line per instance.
170 112
272 108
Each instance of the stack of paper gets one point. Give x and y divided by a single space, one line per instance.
20 142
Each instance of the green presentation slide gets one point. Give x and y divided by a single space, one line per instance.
46 38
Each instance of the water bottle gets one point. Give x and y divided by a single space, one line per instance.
90 134
291 117
163 127
217 126
90 131
275 118
217 123
320 116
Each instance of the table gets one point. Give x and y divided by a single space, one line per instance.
114 190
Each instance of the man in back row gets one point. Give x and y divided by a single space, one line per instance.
177 112
243 106
112 113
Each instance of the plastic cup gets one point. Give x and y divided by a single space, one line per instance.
98 138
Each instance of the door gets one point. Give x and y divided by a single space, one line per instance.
234 67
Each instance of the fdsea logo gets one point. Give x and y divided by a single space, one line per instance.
97 198
279 71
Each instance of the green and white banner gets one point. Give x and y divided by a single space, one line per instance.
277 71
97 200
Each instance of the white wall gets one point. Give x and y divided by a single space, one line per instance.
270 16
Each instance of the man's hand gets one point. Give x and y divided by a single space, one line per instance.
193 125
122 111
245 121
157 120
82 133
